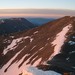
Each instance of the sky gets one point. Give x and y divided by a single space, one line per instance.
37 8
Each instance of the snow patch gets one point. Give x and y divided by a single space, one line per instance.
71 52
26 73
59 40
26 37
48 39
12 46
73 37
37 62
71 42
12 37
33 47
6 65
35 32
73 67
35 58
41 48
67 58
31 39
2 21
7 41
36 71
46 44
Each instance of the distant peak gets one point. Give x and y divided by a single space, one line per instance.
17 18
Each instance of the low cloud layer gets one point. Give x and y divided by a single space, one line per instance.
36 12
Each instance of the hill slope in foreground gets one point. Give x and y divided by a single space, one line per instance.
22 52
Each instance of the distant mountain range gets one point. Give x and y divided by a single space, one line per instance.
12 25
52 44
40 21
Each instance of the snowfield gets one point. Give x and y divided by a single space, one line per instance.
35 71
24 69
60 39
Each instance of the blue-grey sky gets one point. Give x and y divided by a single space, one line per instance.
53 4
48 8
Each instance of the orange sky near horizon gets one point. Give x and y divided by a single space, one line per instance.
32 15
41 13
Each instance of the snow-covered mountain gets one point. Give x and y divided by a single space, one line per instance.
21 53
12 25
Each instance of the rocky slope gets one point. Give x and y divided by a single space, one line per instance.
37 46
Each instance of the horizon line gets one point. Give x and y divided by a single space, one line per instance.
36 9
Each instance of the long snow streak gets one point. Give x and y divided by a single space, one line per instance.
59 40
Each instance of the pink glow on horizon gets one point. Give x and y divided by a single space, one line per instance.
31 15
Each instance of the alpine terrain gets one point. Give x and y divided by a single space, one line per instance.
27 53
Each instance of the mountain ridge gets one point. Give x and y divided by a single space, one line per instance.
36 46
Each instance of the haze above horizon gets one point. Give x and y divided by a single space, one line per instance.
48 8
